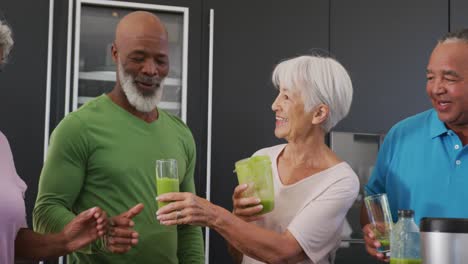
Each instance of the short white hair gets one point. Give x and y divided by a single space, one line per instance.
6 40
321 80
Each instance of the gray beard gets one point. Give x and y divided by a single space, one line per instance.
141 102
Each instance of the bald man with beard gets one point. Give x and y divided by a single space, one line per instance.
104 154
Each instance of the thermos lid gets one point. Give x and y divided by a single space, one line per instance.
444 225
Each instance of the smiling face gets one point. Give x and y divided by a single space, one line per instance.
144 103
146 61
447 83
141 53
292 122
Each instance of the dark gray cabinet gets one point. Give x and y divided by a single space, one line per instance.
385 45
458 14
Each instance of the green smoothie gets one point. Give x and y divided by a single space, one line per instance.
384 245
384 242
166 185
405 261
256 172
268 206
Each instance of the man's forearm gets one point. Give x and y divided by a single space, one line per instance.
32 245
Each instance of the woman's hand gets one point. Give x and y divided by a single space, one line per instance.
245 208
186 209
86 227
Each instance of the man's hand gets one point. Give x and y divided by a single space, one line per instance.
372 244
120 236
245 208
84 229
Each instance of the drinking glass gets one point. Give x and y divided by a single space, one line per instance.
256 173
167 178
380 218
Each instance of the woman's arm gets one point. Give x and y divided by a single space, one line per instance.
245 208
259 243
82 230
32 245
314 231
235 254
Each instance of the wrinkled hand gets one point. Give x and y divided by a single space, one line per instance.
372 244
245 207
86 227
186 209
120 236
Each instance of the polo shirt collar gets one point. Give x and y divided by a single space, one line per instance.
437 127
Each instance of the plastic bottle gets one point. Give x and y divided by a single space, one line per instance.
405 240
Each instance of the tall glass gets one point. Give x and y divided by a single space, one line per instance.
380 218
256 173
167 178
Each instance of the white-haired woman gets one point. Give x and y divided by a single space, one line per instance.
313 188
16 240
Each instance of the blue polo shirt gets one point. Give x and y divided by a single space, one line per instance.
422 166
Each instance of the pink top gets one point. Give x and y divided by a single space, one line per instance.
12 208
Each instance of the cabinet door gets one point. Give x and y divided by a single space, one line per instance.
23 83
250 38
458 11
385 45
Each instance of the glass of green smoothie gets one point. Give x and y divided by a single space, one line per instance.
167 178
256 173
380 217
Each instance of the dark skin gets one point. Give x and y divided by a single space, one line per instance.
82 230
141 47
120 236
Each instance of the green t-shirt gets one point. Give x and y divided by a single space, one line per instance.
101 155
